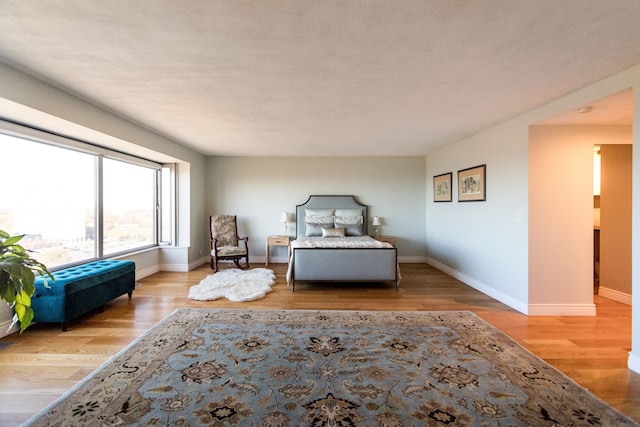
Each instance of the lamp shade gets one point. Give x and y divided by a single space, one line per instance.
284 217
376 221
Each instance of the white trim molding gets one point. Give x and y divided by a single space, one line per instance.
180 268
482 287
614 295
528 309
413 259
634 362
562 309
142 273
197 263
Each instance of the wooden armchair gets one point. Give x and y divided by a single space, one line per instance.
225 242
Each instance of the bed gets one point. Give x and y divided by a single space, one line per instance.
332 245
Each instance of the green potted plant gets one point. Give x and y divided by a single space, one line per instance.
17 277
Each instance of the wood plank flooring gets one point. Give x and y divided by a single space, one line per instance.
41 364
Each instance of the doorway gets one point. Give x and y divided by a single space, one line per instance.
615 218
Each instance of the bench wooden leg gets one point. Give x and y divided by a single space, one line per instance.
130 293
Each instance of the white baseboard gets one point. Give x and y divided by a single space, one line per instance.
634 362
614 295
197 263
562 309
485 289
183 268
147 271
413 260
528 309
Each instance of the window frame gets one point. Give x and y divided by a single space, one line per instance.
16 130
167 207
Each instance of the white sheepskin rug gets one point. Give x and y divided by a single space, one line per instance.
235 285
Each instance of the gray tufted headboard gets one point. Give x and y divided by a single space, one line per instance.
329 202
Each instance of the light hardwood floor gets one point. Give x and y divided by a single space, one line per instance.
41 364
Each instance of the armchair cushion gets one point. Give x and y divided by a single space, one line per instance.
230 250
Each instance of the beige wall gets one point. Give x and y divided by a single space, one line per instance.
560 217
615 221
561 212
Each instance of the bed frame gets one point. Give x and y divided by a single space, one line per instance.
340 264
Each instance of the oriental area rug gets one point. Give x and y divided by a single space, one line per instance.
214 367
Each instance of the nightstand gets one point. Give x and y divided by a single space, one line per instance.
278 241
388 239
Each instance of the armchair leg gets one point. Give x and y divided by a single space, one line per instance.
240 266
214 264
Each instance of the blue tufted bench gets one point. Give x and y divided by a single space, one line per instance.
80 289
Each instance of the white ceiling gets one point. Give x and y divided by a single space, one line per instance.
319 77
615 109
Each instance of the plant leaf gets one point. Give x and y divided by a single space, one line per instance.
17 278
10 241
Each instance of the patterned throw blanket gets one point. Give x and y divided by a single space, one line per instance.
338 242
209 367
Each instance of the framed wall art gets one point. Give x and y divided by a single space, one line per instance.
442 187
472 184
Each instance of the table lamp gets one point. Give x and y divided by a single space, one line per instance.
377 224
284 218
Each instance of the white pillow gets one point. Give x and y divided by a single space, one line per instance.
348 219
347 212
316 219
318 212
333 232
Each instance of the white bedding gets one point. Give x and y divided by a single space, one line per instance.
338 242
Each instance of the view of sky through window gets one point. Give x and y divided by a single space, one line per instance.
50 195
